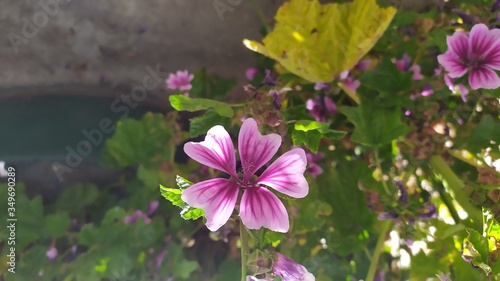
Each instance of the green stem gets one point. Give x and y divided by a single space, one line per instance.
379 167
386 225
456 186
261 15
244 251
448 201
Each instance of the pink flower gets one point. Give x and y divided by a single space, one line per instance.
289 270
456 89
349 81
404 65
322 86
251 72
320 108
478 52
180 80
135 216
259 207
314 169
51 254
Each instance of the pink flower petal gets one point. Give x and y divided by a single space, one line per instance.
255 149
261 208
483 77
492 58
286 174
480 39
452 64
463 92
416 72
458 44
449 82
216 151
217 197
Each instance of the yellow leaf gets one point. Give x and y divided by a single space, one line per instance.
317 42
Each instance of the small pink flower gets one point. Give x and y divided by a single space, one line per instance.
322 86
259 207
456 89
349 81
320 108
180 80
51 254
251 72
478 52
404 64
135 216
289 270
314 169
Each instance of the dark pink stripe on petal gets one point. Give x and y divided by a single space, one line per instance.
216 151
458 44
217 197
452 64
261 208
286 174
255 149
483 77
480 39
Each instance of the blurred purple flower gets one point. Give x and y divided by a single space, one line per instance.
404 64
142 30
51 254
443 277
387 216
180 80
380 276
251 72
427 91
495 6
349 81
253 278
152 207
466 18
403 197
269 79
314 169
363 65
430 211
478 52
322 86
456 89
158 259
276 99
438 70
289 270
135 216
321 107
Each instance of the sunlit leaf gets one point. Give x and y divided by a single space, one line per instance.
181 102
317 42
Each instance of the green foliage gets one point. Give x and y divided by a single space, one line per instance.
375 125
310 133
142 141
183 103
386 78
174 196
210 86
487 130
201 124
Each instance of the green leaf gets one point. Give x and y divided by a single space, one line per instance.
487 130
139 142
387 78
181 102
56 225
310 133
201 124
210 86
305 32
350 216
76 197
174 195
476 248
375 125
